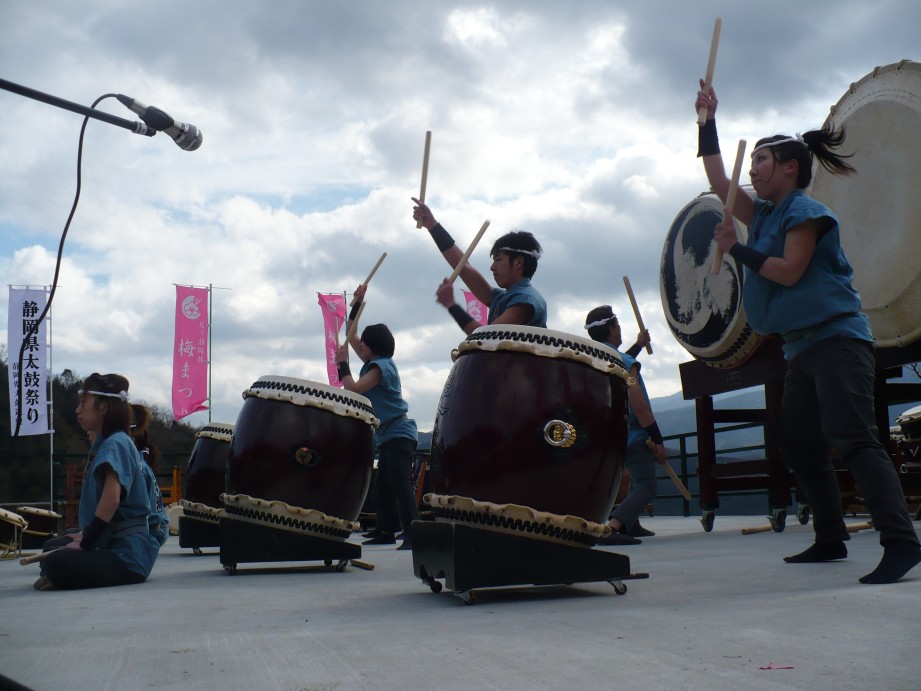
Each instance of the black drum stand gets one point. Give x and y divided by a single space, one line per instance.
196 533
469 558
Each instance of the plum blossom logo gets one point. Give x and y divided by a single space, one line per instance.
190 307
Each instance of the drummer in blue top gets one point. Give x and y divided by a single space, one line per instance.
640 460
121 518
798 285
514 256
396 438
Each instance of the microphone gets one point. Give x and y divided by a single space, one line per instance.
187 137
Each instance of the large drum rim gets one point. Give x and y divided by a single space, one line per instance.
13 517
39 512
540 342
220 431
304 392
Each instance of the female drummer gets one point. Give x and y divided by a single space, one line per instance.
118 542
514 257
798 285
396 438
602 325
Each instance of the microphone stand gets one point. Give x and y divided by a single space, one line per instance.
133 125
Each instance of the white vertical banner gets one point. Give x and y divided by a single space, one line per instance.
24 309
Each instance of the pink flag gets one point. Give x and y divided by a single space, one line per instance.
190 352
476 309
333 306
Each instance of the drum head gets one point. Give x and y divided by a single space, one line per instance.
304 392
219 431
879 206
704 311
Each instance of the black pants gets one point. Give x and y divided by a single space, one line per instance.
71 569
828 400
394 497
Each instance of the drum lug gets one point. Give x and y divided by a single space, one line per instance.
559 434
306 457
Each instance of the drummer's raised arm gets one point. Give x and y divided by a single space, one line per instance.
709 150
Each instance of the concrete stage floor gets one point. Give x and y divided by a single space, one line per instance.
717 610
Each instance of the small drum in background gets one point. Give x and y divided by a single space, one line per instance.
532 417
207 469
43 525
12 526
704 311
910 424
879 206
305 444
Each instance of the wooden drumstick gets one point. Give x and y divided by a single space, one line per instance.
425 171
671 473
711 63
25 561
351 331
857 527
730 201
759 529
636 310
370 276
463 260
366 565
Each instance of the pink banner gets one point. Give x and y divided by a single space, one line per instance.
190 352
476 309
333 306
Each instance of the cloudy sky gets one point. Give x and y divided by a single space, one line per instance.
573 120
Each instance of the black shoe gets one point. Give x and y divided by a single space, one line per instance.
382 539
639 531
616 538
374 532
406 545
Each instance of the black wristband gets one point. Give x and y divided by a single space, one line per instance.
708 143
654 433
749 256
92 533
460 316
634 350
354 311
441 237
342 369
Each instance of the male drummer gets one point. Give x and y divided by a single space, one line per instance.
601 324
514 257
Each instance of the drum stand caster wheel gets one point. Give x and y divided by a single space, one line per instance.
340 567
434 586
196 551
619 587
231 569
802 514
706 520
327 562
778 520
467 596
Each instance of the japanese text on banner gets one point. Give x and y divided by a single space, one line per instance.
25 306
190 352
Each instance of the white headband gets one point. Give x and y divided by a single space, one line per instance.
786 140
530 253
601 322
123 395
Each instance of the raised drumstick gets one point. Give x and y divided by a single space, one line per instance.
463 260
636 311
425 171
370 276
711 63
730 201
351 331
25 561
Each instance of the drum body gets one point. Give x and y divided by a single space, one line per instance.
532 417
704 311
303 443
878 206
910 424
12 526
207 468
43 525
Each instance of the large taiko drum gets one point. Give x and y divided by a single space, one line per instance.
44 524
12 526
535 418
305 444
704 311
207 469
879 206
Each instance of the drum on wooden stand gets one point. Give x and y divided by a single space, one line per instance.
200 510
299 466
12 526
43 525
704 311
532 417
879 206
